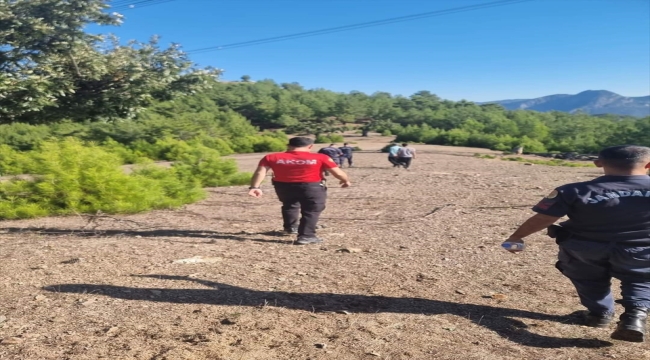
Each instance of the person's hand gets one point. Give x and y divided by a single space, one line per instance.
255 193
345 184
518 241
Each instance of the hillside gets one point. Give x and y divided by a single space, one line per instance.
591 102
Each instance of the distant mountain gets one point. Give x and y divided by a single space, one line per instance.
591 101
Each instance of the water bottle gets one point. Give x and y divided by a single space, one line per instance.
513 246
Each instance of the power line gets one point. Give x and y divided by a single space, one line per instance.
357 26
132 5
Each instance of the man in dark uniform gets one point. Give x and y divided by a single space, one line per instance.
298 182
347 151
333 153
607 235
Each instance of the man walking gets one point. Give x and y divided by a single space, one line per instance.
298 182
335 154
347 151
607 235
405 155
392 154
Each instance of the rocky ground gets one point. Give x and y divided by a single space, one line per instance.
411 269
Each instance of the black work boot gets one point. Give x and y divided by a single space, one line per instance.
598 320
304 240
291 230
631 326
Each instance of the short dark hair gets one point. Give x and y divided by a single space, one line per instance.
345 144
405 144
300 141
332 144
625 157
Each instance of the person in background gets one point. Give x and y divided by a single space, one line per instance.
335 154
405 155
347 152
607 236
298 182
392 154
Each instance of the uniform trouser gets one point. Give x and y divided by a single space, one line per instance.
405 161
590 266
349 158
306 199
393 160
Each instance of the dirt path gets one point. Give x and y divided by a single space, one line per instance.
420 287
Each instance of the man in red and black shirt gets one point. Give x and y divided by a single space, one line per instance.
298 182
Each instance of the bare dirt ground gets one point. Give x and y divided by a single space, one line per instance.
424 284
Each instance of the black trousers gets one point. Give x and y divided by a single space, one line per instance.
349 160
306 199
393 160
405 161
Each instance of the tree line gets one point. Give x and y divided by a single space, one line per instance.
424 117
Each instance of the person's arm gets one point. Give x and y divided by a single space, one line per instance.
413 151
549 210
256 181
342 176
535 223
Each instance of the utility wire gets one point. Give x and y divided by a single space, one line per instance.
133 5
357 26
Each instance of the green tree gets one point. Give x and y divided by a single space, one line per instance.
51 69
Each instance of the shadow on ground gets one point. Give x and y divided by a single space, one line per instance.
209 235
500 320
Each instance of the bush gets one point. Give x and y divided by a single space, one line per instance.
13 162
23 136
329 139
77 178
127 155
269 144
205 165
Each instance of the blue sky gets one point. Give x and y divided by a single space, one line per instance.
520 50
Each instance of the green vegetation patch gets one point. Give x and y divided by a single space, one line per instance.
71 177
552 162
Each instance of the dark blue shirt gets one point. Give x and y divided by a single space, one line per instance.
346 150
608 208
330 151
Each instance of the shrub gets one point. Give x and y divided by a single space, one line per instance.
336 138
206 166
23 136
13 162
222 146
322 139
127 155
269 144
73 178
329 139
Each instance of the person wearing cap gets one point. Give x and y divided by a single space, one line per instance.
347 152
299 185
606 236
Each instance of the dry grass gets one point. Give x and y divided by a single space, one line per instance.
421 287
